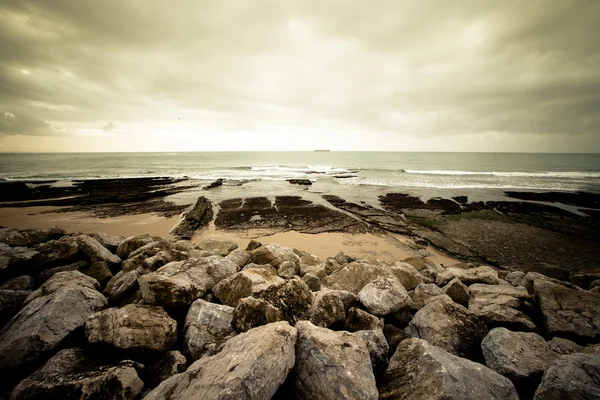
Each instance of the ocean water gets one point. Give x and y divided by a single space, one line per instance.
358 175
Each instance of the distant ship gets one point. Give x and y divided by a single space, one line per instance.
321 150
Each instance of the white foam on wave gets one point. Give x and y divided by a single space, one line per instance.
544 174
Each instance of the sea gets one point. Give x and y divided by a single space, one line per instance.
358 176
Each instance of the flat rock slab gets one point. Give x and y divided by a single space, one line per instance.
286 213
419 370
251 365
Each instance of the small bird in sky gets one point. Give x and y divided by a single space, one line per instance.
178 117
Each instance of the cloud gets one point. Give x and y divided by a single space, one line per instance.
425 70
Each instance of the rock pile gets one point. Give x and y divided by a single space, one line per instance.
99 316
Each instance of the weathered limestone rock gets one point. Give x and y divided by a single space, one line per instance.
71 375
207 327
568 313
359 320
329 307
181 282
96 252
197 217
425 292
421 371
59 252
312 282
288 270
274 255
61 280
130 244
378 349
354 276
407 275
121 285
111 242
251 365
425 266
251 312
29 237
99 271
575 376
239 257
135 329
23 282
47 320
501 305
484 274
245 283
457 291
384 296
449 326
310 264
325 357
217 247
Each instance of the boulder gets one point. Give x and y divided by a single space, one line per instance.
23 282
329 307
293 299
11 301
70 374
332 365
483 274
121 285
359 320
288 270
181 282
457 291
160 259
501 305
251 365
384 296
515 278
140 255
49 273
378 349
95 252
207 327
130 244
310 264
568 313
407 275
449 326
239 257
575 376
425 292
59 252
111 242
61 280
421 371
425 266
217 247
331 265
394 337
251 312
245 283
253 245
273 254
29 237
312 282
136 330
99 271
46 321
356 275
172 363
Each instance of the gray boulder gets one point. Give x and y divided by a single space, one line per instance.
111 242
378 349
329 307
313 283
130 244
359 320
407 275
384 296
217 247
425 292
121 285
332 365
288 270
96 252
245 283
273 254
23 282
449 326
59 252
207 327
354 276
61 280
251 312
457 291
573 377
251 365
421 371
239 257
310 264
469 276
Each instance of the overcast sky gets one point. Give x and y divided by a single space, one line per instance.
152 75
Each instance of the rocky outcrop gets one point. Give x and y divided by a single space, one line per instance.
245 283
71 374
199 216
421 371
384 296
324 357
251 365
575 376
207 327
136 330
468 276
449 326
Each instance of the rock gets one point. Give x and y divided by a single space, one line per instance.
310 264
199 216
312 282
253 245
331 266
217 183
484 274
531 277
425 267
329 307
251 365
127 246
43 324
595 284
111 242
136 330
11 301
217 247
207 327
251 312
384 296
172 363
356 275
181 282
96 252
29 237
239 257
568 313
49 273
17 260
583 279
449 326
359 320
324 357
72 375
421 371
394 337
23 282
121 285
343 259
140 255
59 252
273 254
299 181
515 278
61 280
378 349
564 346
457 291
288 270
99 271
160 259
407 275
425 292
245 283
576 376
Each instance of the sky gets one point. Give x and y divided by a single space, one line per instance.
397 75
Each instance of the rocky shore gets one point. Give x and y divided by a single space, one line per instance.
96 316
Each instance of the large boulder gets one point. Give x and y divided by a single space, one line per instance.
310 264
239 257
329 307
273 254
251 365
130 244
575 376
359 320
111 242
501 305
70 374
29 237
59 252
48 319
207 328
11 301
468 276
246 283
378 349
251 312
424 293
121 285
136 330
61 280
332 365
458 291
407 275
217 247
450 326
354 276
96 252
569 313
384 296
419 370
181 282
